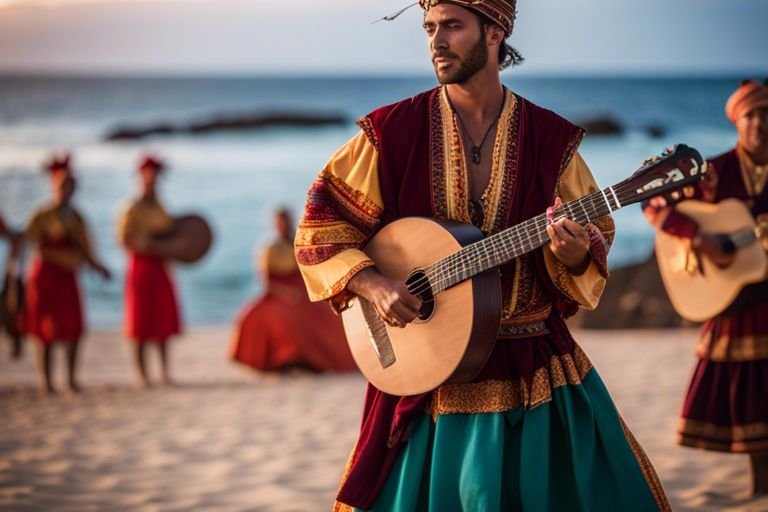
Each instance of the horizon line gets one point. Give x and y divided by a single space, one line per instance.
372 74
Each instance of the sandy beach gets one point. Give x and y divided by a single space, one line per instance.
226 439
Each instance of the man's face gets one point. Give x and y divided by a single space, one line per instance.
456 43
753 130
148 177
63 186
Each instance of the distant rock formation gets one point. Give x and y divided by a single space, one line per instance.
601 125
655 131
634 298
608 125
228 123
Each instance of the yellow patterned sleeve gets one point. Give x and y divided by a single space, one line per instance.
126 224
343 208
35 228
82 233
585 289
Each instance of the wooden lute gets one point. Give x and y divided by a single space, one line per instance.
453 269
697 287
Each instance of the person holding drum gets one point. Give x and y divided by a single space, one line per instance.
62 245
151 307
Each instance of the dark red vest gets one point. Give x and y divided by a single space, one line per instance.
408 137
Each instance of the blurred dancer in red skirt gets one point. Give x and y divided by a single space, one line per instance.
151 311
62 244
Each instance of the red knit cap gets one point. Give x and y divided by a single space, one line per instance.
151 162
59 164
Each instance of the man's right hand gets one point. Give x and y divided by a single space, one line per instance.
712 247
392 300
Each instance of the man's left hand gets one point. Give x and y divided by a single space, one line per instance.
569 242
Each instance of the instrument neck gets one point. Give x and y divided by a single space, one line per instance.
513 242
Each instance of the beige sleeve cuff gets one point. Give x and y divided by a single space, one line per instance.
587 288
328 280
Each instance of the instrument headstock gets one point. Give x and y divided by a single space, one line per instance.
674 169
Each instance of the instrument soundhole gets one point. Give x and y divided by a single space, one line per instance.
418 284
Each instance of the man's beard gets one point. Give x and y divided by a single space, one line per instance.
475 60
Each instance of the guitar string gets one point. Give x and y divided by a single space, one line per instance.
460 259
501 241
448 268
452 262
463 261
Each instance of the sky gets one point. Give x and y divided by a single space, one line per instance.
338 36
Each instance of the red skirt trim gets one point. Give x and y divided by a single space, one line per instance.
151 311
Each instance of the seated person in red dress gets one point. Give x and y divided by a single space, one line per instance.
283 329
151 308
62 245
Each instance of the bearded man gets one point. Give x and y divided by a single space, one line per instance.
536 428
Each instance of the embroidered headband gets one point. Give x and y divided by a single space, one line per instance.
502 12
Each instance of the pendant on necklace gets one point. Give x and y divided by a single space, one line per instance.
476 155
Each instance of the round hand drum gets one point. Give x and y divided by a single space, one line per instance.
189 242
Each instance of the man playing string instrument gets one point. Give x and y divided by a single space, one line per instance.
725 408
536 429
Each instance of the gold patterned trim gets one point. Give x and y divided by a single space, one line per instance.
723 446
449 169
455 181
342 507
366 125
762 230
328 233
563 280
570 150
651 478
744 434
726 349
341 298
363 208
497 197
526 301
607 228
337 505
503 13
495 396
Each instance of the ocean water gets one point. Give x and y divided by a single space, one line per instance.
236 179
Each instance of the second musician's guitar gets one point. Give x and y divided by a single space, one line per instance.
453 269
697 287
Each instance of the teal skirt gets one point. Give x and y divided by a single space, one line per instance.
570 454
